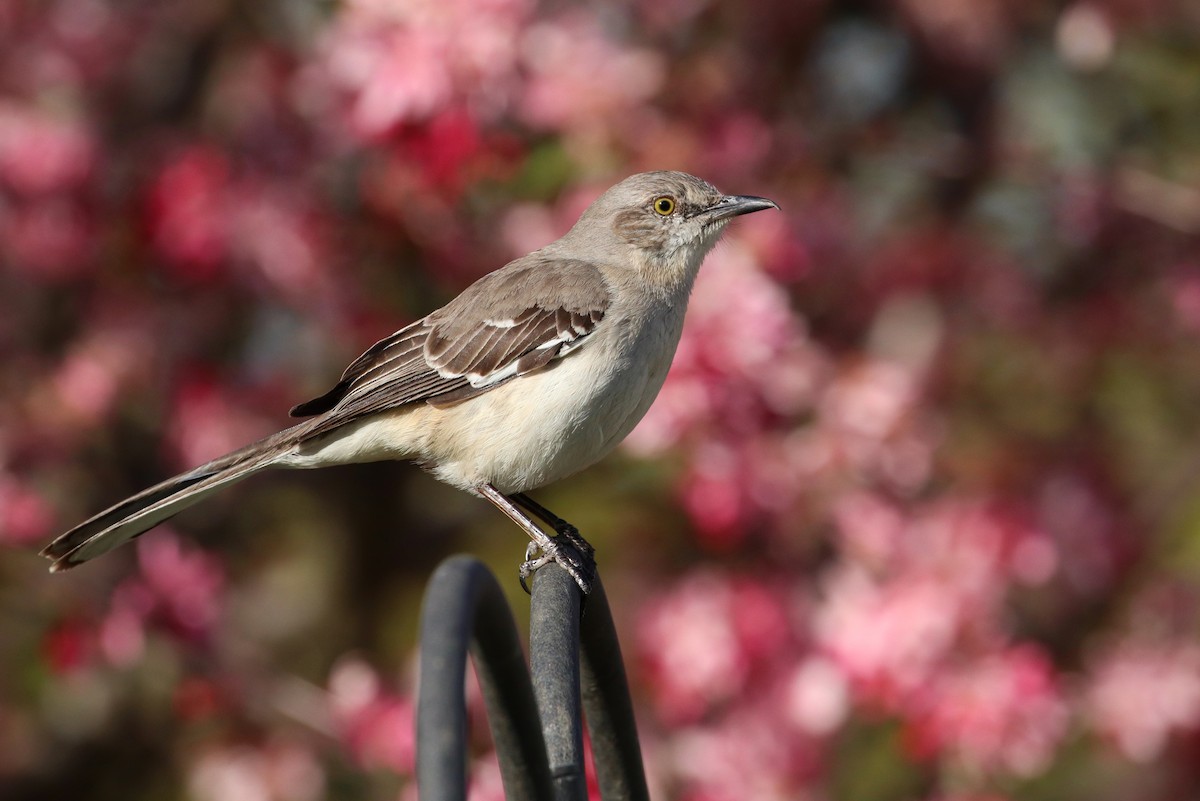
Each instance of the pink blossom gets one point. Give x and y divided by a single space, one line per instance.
871 529
1183 293
978 546
402 63
888 638
67 646
818 696
1083 525
864 407
206 422
713 495
121 635
702 642
485 781
186 583
580 79
201 217
113 353
1141 692
406 79
279 241
746 754
921 589
25 516
445 149
40 153
49 238
691 648
178 590
1001 713
188 213
375 724
278 770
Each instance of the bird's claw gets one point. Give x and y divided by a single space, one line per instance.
571 551
571 534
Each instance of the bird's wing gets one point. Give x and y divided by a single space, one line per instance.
508 323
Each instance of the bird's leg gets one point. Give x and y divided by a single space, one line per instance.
560 526
576 559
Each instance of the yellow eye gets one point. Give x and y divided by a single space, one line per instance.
665 206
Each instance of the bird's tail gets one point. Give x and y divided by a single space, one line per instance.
136 515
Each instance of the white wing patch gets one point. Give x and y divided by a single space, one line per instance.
566 342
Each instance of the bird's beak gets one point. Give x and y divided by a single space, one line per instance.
735 205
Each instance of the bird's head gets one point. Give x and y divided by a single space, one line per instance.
670 220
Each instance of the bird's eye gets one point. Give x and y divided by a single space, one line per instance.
665 206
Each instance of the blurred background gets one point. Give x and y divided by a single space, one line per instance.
917 515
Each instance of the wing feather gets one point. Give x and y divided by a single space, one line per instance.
508 323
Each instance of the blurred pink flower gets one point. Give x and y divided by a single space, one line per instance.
444 149
25 516
1085 529
870 529
186 583
187 213
206 422
980 546
278 770
582 80
864 411
1182 289
115 351
40 153
921 588
376 725
1141 692
746 754
280 240
703 640
485 781
67 646
818 696
50 238
403 62
1003 713
888 638
178 590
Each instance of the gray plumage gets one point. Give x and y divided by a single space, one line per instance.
535 371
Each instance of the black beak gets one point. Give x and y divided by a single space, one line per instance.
736 205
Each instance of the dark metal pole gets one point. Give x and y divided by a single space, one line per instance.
536 722
465 608
615 750
554 662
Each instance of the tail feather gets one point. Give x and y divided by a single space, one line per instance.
140 513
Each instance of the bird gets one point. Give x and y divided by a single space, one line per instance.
534 372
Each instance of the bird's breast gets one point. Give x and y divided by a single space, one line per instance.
545 426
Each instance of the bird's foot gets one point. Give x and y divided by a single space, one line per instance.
571 534
571 551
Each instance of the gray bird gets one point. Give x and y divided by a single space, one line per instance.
534 372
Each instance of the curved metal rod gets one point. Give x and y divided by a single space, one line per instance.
536 723
465 608
616 753
554 662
